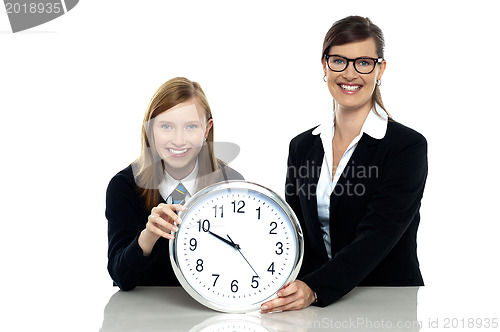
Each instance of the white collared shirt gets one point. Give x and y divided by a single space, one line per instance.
376 127
168 184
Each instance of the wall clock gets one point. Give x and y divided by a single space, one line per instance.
237 245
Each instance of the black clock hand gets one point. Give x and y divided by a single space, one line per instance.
237 246
232 244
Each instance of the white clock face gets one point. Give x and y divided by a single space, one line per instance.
237 245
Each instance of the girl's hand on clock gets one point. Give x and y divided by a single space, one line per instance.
160 224
294 295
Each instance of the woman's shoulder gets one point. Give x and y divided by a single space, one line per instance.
305 138
228 172
124 178
400 138
398 132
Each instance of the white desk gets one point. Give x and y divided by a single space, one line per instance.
172 309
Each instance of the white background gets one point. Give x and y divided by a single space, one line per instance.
73 93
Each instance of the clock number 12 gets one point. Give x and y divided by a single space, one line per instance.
241 205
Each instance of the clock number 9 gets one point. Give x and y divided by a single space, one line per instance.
193 243
205 225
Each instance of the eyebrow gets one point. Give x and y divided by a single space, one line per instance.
363 56
171 122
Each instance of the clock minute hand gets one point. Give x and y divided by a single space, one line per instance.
237 246
232 244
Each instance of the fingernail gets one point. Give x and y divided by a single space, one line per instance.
264 307
175 229
178 220
279 294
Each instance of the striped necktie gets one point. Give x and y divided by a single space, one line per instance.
179 194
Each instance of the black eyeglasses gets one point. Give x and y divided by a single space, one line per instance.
363 65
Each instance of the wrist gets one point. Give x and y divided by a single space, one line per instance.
147 241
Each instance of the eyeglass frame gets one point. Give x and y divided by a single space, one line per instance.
377 61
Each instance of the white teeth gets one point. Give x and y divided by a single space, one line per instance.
350 87
172 151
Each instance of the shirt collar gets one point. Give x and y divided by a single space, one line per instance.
169 183
374 125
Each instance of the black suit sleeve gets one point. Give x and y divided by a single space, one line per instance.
389 212
126 263
292 198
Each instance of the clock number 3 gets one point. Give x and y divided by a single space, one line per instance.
279 251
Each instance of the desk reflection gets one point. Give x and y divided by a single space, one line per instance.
172 309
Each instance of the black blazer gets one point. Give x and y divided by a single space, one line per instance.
127 217
374 212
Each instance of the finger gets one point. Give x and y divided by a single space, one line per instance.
288 289
155 230
287 303
167 210
159 222
178 207
277 303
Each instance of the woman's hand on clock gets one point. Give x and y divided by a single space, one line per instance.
294 295
160 223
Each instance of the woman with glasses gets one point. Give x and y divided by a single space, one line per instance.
177 160
360 211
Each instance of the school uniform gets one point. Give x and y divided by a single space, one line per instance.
127 217
360 227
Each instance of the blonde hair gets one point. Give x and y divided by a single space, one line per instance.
149 168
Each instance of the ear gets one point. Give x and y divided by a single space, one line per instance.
210 124
383 64
325 69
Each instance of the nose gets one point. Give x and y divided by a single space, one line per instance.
350 73
179 138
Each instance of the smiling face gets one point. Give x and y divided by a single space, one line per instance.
350 89
178 136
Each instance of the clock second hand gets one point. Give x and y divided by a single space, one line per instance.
237 246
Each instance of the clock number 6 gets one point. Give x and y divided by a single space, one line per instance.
234 286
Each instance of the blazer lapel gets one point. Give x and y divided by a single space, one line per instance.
360 160
314 161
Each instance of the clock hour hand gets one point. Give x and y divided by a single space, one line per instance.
236 246
231 243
